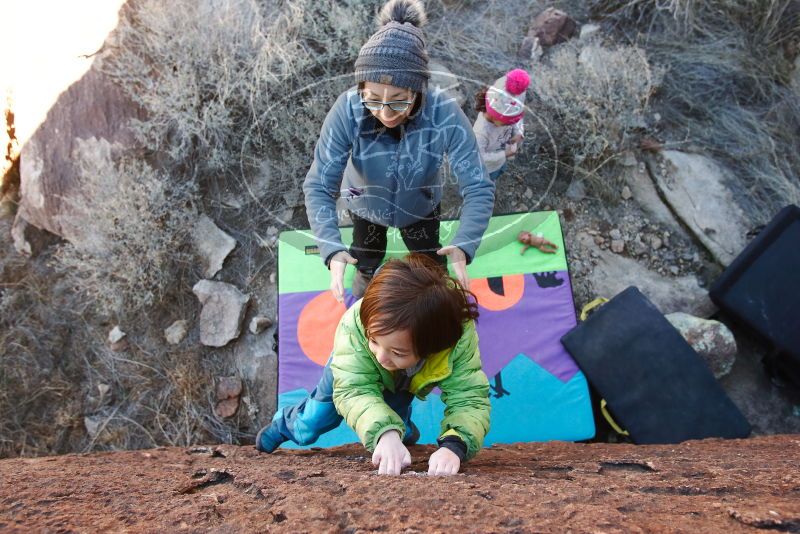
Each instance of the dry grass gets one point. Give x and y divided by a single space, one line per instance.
725 89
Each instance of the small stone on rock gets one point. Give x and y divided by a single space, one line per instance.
272 278
655 242
227 408
615 234
259 323
117 339
176 332
228 387
617 246
528 193
626 193
116 335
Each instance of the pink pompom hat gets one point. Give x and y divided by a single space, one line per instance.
505 99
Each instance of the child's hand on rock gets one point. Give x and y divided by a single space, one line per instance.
443 462
511 150
390 455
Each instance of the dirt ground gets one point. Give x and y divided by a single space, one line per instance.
700 486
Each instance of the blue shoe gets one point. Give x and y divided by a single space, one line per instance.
269 439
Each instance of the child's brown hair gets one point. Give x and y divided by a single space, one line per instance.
480 100
416 293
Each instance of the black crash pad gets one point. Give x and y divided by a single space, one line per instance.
656 386
760 289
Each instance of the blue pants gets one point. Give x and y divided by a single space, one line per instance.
305 422
496 174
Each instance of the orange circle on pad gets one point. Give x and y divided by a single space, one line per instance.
513 288
317 325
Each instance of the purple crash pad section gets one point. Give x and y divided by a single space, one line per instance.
533 326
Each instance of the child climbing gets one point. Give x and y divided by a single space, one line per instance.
499 127
413 330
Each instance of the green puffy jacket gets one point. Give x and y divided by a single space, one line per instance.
359 381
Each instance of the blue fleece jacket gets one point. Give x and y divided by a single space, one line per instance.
394 181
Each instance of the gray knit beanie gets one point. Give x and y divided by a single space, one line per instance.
395 54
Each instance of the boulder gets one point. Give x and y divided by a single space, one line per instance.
212 244
223 310
552 26
695 188
50 161
710 339
612 273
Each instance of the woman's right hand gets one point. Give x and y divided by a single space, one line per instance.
390 455
338 264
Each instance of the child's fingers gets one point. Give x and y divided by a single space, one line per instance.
396 467
406 459
432 468
376 458
384 466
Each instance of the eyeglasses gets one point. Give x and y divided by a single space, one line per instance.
394 105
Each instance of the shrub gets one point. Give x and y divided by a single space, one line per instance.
592 100
132 225
228 84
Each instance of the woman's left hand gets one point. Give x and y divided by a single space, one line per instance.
443 462
459 262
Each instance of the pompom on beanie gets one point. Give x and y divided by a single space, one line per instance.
505 99
395 54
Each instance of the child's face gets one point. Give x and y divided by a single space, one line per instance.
394 350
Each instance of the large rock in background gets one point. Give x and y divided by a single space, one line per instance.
695 188
60 97
49 162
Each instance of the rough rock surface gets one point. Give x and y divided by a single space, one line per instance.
712 340
694 186
224 307
699 486
646 195
212 244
